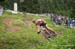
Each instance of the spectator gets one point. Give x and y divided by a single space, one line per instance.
71 25
73 22
66 21
59 20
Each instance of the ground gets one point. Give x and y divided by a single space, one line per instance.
18 32
8 22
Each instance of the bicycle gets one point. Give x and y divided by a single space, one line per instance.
47 33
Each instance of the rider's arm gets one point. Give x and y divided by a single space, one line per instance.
38 29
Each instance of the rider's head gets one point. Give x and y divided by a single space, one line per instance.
33 20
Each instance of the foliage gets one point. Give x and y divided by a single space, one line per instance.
63 7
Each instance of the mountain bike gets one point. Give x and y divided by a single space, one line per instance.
47 33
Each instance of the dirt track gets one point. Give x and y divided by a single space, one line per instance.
8 22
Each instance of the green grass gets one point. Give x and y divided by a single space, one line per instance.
27 38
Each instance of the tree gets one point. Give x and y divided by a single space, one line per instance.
64 7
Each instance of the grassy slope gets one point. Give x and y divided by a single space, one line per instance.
27 38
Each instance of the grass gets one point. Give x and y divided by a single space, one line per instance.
27 38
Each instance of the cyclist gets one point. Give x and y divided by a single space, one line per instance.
40 23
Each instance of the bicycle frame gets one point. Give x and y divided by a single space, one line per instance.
47 33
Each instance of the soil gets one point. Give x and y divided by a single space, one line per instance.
8 22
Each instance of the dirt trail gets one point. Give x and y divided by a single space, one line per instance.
28 23
8 22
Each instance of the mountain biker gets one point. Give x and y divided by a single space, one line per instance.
41 23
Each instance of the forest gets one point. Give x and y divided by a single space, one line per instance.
63 7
